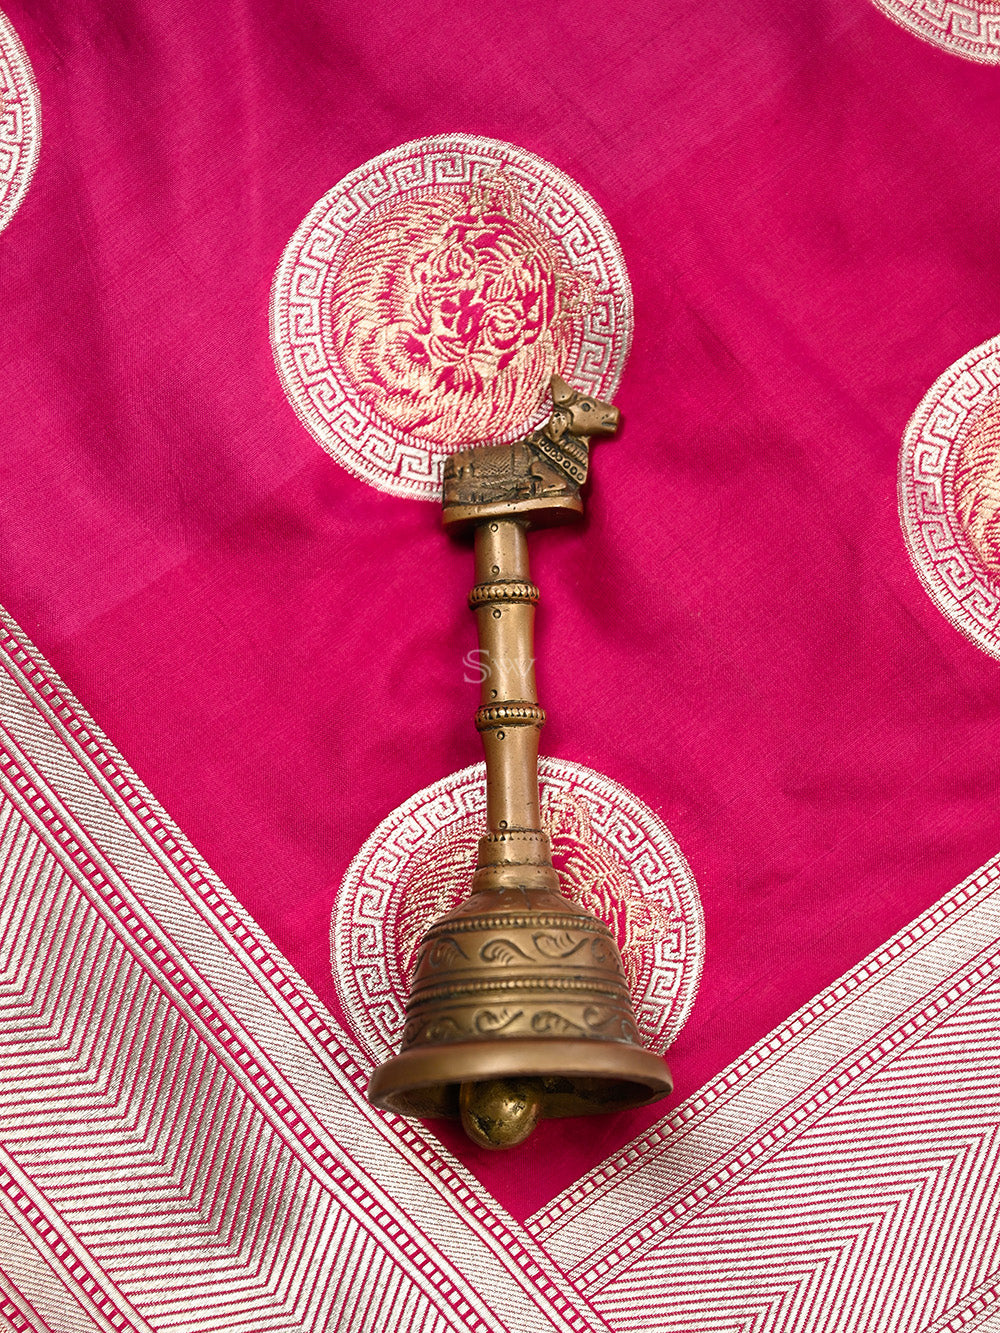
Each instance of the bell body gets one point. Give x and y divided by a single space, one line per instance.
519 983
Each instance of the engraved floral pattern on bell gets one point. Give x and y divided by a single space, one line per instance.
614 857
525 970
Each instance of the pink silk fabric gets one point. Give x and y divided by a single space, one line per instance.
805 197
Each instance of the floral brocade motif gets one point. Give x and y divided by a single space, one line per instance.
424 302
448 311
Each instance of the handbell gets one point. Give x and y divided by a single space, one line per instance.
519 1009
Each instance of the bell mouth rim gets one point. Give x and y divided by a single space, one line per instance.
617 1076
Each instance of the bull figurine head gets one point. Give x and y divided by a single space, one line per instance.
538 477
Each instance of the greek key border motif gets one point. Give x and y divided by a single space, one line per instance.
945 561
20 122
966 28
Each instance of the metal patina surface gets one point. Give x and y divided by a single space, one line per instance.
519 1007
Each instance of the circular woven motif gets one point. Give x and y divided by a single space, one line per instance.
19 122
423 304
967 28
614 856
949 494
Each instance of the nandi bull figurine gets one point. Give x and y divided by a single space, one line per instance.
519 1007
538 477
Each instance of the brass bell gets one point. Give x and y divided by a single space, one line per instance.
519 1009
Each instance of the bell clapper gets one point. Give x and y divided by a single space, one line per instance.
500 1113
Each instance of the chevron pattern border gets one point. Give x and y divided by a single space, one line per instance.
184 1144
844 1175
877 1198
153 1148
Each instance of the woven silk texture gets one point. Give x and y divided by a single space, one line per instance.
262 269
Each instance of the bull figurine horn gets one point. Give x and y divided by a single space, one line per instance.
519 1008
